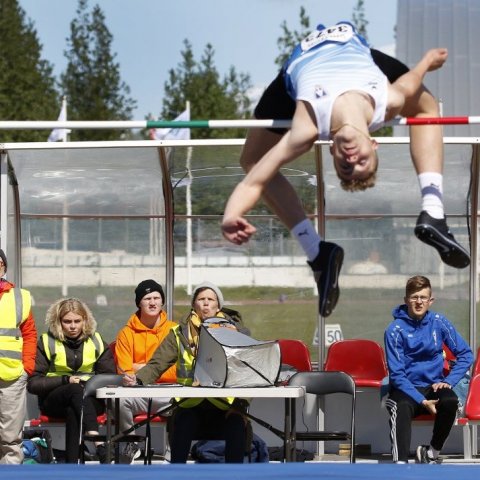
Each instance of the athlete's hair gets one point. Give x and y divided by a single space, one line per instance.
417 283
359 184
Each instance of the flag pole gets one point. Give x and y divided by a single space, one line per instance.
65 226
58 133
65 131
168 133
188 200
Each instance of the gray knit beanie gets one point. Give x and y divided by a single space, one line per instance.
202 286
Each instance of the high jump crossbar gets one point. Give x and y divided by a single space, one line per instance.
133 124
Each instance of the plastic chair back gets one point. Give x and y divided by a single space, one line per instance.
362 359
472 405
101 380
476 364
295 353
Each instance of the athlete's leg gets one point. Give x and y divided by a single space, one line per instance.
279 194
426 148
325 258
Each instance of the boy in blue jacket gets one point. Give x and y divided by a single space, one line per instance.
414 350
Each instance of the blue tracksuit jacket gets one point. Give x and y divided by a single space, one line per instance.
414 351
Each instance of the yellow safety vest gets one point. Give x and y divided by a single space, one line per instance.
15 307
57 355
185 362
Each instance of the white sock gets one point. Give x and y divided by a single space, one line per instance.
308 238
432 453
431 187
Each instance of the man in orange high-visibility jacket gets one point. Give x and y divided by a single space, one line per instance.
136 342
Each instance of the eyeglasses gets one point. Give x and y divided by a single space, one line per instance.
418 298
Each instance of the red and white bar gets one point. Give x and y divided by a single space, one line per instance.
134 124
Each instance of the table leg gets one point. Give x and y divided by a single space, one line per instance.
289 441
108 442
116 417
293 428
117 429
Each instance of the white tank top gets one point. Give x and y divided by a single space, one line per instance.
332 61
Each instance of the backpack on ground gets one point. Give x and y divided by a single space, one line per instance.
213 451
37 446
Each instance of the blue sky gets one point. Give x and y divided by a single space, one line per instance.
148 34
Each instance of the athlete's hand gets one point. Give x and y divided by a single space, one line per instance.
238 230
129 379
436 57
430 406
440 385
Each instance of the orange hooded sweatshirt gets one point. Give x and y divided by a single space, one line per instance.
136 343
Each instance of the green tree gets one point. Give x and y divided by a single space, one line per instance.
210 96
289 38
359 19
27 85
92 80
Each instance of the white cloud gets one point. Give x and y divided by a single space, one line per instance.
254 93
389 49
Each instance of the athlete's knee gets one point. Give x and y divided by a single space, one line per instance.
424 104
247 162
258 142
76 389
126 403
302 138
448 403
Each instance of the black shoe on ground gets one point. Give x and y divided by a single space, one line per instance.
101 452
421 455
435 232
326 270
130 453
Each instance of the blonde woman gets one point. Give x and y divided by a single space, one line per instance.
67 356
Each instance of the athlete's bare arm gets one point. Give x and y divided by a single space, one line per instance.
405 89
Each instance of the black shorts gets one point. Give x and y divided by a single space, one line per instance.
276 103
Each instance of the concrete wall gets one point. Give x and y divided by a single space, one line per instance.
110 269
